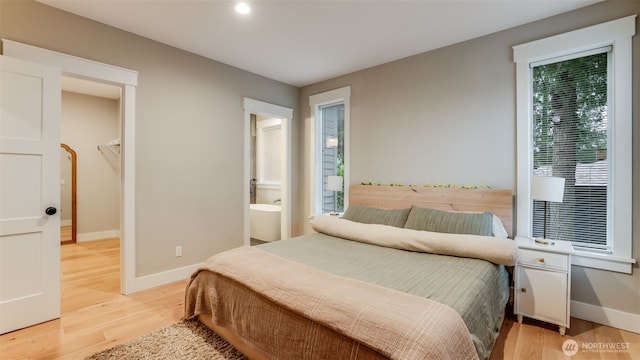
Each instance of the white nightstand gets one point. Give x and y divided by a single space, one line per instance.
543 281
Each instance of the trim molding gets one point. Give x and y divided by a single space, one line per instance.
165 277
606 316
70 64
98 235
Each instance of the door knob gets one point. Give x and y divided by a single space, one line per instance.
50 210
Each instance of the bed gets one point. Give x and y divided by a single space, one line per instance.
379 283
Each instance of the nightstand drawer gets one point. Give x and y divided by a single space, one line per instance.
543 259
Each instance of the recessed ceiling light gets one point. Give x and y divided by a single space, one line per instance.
243 8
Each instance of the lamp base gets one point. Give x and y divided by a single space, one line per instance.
542 241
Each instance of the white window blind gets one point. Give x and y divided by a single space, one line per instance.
329 149
570 140
332 154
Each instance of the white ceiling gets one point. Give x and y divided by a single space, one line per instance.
300 42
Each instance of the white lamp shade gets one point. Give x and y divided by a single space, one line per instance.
332 142
547 188
334 183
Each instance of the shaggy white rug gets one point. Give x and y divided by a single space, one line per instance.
187 339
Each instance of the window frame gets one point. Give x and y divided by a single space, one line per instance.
618 34
333 97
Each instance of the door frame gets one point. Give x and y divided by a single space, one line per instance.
257 107
127 80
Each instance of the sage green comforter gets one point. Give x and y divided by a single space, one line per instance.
477 289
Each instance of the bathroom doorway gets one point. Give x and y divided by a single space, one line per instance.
267 172
265 195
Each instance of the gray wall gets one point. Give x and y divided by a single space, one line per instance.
189 139
448 116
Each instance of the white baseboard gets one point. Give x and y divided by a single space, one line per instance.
165 277
98 235
65 222
605 316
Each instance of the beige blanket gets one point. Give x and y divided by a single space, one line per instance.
394 324
497 250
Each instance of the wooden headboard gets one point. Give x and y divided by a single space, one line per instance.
499 202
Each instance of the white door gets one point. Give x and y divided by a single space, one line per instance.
29 189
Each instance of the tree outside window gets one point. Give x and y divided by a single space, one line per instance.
570 130
333 153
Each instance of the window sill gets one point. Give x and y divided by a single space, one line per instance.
602 261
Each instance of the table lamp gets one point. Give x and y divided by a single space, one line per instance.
334 183
546 188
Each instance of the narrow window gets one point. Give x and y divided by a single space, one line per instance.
574 117
570 137
330 150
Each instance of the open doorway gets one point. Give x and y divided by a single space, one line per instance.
126 81
90 129
265 191
267 163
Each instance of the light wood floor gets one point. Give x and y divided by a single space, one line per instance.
65 234
95 317
534 340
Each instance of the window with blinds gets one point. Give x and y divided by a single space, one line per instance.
332 118
574 120
570 140
329 149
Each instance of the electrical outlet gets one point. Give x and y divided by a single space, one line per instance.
178 251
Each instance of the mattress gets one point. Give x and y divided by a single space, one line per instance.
477 290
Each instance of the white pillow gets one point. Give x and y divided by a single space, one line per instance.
498 228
